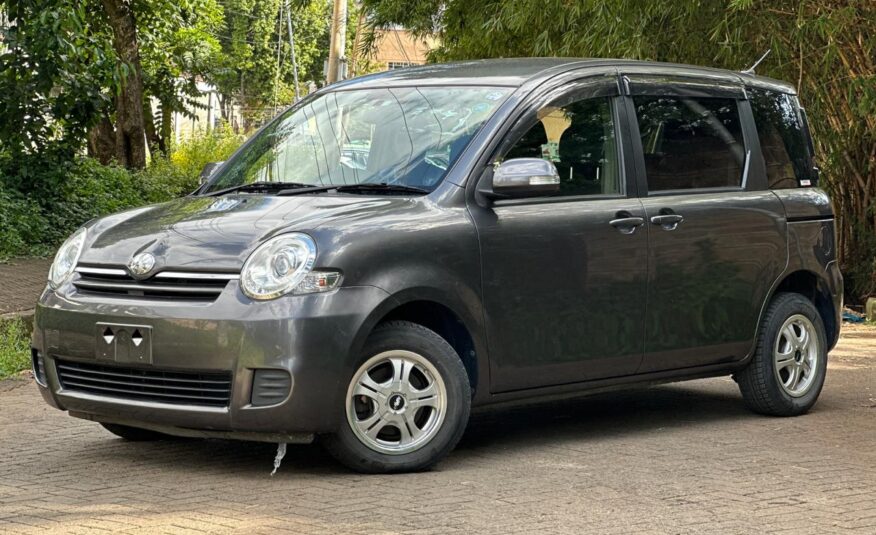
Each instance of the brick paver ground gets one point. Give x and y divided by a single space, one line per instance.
21 282
684 458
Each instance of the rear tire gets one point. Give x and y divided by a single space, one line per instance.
406 405
135 434
787 371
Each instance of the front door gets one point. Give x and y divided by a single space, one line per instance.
717 237
564 276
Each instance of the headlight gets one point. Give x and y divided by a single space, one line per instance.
284 264
66 259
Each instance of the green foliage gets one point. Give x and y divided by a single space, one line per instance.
177 174
177 46
21 224
83 189
14 347
248 71
191 155
56 72
60 73
826 47
89 191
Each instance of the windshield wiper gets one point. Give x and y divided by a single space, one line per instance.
366 187
258 186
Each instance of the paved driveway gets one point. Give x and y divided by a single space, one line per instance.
684 458
23 279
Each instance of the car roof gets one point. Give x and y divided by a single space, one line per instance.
514 72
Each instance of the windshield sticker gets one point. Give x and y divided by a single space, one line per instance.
495 95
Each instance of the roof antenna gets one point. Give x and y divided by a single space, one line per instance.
750 70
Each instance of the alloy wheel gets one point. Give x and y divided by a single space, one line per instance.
396 402
796 355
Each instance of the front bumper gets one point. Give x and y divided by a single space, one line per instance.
313 337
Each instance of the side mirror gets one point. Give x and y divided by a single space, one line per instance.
524 177
208 171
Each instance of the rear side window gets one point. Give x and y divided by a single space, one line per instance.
783 139
690 143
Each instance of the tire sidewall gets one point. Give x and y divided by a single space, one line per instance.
347 447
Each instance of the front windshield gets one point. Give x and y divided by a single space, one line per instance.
406 136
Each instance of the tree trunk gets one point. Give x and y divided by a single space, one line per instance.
166 128
223 106
130 127
102 141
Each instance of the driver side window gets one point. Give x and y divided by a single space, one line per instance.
579 138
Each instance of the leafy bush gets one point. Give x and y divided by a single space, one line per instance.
14 347
43 200
21 225
191 155
176 175
90 190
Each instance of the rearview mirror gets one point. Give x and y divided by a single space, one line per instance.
524 177
208 171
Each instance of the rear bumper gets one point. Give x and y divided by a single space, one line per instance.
313 337
836 288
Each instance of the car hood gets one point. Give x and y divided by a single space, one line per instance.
218 233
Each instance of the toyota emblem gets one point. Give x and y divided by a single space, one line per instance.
141 264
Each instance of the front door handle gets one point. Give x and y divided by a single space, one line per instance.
626 223
667 221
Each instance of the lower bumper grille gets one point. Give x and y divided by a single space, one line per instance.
160 386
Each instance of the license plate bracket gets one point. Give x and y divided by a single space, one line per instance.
122 343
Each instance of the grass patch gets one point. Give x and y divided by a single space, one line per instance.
14 347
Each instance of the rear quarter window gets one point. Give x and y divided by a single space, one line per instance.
783 139
690 143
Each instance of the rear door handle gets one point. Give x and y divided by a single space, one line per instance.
667 221
626 223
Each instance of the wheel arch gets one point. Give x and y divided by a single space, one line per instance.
435 311
816 289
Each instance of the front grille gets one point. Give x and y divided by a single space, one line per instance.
193 286
180 388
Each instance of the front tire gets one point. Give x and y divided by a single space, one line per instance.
786 374
407 404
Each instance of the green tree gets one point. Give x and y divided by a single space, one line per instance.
826 47
178 47
130 133
71 67
57 70
254 73
165 46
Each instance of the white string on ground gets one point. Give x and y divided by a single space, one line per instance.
281 452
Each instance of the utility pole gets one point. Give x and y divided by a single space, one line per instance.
292 51
279 63
336 59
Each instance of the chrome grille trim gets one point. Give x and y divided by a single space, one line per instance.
196 275
102 271
185 285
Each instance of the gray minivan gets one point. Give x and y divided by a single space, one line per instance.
399 248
